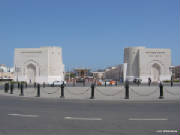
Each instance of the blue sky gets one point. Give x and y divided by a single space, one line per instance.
92 33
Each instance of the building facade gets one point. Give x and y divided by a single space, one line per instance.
39 65
98 75
6 73
82 73
113 73
147 63
177 72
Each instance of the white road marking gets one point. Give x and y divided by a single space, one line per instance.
147 119
167 131
80 118
24 115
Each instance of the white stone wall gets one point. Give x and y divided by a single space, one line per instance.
46 60
140 62
55 64
131 57
148 57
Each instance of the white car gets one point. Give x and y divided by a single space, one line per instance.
58 83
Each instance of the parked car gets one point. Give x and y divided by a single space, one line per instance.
58 83
108 82
112 82
137 80
100 82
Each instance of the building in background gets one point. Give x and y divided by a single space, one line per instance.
44 64
6 73
114 73
99 75
117 73
177 72
82 73
147 63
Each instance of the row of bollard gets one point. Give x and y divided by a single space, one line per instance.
127 91
21 87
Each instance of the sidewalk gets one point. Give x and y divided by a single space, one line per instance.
102 93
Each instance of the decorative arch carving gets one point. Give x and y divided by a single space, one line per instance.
31 66
155 72
150 64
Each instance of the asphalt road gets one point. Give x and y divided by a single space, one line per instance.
20 115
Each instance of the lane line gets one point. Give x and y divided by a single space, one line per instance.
80 118
24 115
147 119
167 131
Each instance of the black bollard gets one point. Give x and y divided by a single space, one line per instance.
12 88
62 91
161 91
22 90
105 83
92 91
38 90
127 90
6 87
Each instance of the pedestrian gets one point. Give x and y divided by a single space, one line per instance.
126 83
149 81
138 82
171 81
160 84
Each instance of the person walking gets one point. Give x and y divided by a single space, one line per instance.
149 81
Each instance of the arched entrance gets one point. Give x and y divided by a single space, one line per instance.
31 73
155 72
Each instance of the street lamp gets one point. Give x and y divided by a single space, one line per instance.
17 70
171 68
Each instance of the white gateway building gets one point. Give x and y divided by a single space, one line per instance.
147 63
39 65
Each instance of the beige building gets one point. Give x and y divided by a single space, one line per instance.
146 62
98 75
177 72
114 73
6 73
82 73
40 65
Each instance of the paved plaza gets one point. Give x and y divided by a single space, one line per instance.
142 92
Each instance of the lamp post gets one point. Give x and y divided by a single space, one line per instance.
171 68
172 76
17 70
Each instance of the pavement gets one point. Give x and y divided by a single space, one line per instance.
53 116
102 93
